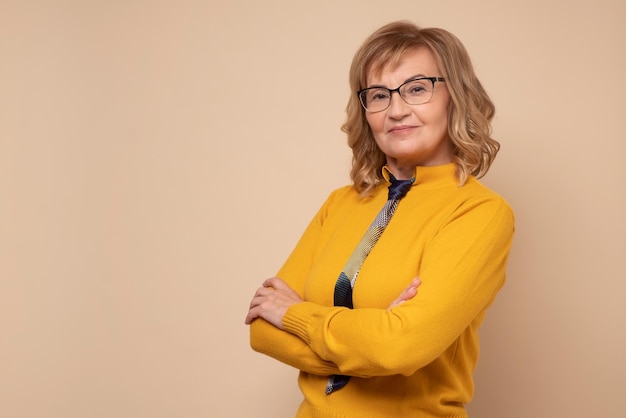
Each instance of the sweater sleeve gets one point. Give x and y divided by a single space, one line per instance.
462 269
283 345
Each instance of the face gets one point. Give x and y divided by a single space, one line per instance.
412 135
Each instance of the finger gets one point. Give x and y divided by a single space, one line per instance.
260 294
256 301
256 306
275 282
264 291
251 316
415 282
407 294
263 295
410 291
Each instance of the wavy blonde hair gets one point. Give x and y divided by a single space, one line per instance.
469 114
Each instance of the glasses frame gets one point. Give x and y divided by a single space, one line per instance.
433 80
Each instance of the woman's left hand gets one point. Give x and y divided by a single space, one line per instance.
409 293
271 302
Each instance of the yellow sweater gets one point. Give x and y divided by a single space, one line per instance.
417 359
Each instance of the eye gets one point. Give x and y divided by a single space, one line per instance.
416 88
377 95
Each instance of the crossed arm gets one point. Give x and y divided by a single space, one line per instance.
272 300
323 340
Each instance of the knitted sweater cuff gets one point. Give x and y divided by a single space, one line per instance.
302 319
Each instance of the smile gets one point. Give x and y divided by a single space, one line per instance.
402 128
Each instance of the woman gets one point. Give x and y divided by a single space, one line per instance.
419 118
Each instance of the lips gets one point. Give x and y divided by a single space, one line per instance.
401 128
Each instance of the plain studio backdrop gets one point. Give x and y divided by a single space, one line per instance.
159 159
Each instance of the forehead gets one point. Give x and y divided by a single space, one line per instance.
414 62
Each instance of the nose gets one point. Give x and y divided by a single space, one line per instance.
398 108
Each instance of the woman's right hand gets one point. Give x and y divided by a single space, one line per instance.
407 294
271 301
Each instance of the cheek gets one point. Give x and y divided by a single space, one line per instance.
375 121
438 118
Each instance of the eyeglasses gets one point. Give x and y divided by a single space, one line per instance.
414 92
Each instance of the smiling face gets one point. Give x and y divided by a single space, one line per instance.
412 135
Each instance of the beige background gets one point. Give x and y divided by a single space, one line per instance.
158 159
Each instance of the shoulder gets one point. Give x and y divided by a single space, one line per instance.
477 196
347 195
347 200
342 192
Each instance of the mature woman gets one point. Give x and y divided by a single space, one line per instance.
345 309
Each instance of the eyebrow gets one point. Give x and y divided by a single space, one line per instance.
413 77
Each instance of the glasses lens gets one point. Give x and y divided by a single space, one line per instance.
375 99
417 91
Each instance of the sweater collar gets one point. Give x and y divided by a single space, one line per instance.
431 176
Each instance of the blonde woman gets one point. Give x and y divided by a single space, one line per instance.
345 308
